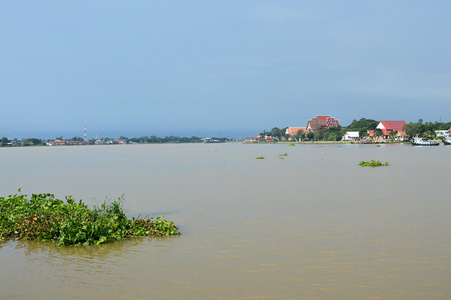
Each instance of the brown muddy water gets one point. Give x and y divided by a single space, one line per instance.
313 225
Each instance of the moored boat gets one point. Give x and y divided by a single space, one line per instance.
447 140
210 140
418 141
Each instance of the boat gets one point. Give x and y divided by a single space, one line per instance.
447 140
418 141
210 140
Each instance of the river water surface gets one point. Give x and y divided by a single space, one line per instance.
313 225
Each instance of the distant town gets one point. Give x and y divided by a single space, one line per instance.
319 128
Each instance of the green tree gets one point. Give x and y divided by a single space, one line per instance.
277 133
410 129
368 124
32 141
300 135
392 134
378 132
363 133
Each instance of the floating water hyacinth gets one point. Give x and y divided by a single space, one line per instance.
373 163
45 218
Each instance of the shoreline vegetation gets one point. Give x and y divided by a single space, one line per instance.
42 217
276 135
77 141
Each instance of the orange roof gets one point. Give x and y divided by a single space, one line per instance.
259 136
323 121
294 130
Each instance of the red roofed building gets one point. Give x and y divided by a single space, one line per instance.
319 122
261 138
388 126
294 130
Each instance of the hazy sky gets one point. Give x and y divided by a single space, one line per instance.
229 68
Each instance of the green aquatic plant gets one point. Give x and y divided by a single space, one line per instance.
42 217
285 154
373 163
260 157
291 144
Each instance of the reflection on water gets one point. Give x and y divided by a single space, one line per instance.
314 225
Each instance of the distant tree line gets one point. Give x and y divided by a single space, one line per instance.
79 140
168 139
426 130
22 142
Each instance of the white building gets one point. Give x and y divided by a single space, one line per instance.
350 136
441 133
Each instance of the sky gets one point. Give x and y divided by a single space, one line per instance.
218 68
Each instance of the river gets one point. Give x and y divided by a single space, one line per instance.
309 225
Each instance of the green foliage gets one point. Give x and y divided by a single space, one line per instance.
277 133
32 141
4 141
372 163
378 132
393 133
300 135
327 134
168 139
363 124
285 154
363 132
426 130
260 157
45 218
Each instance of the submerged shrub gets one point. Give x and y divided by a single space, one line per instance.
45 218
373 163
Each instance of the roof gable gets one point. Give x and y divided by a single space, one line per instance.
390 125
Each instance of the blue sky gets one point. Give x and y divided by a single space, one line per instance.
218 68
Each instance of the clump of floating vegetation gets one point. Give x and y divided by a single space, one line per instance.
285 154
290 144
45 218
373 163
260 157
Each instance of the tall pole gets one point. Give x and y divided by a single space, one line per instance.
86 135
